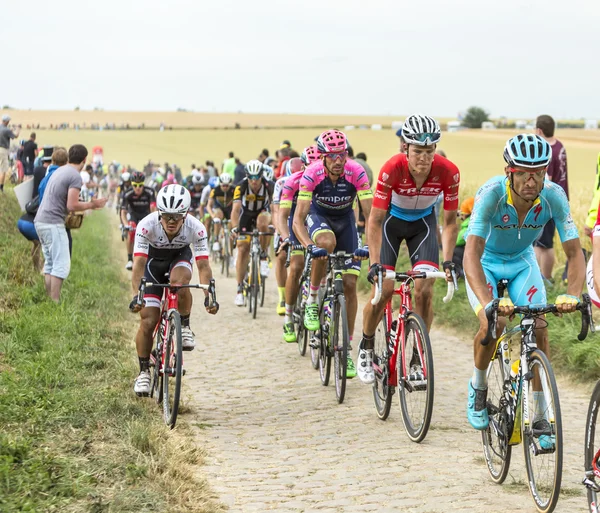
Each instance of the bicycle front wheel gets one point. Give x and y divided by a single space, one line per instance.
301 332
324 349
591 448
173 370
340 341
542 437
415 378
496 450
157 376
382 391
254 286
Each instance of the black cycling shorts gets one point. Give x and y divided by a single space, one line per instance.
159 267
546 239
420 237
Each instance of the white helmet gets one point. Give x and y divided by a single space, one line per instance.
125 177
268 172
225 179
173 199
196 179
421 130
254 169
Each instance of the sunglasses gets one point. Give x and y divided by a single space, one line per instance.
137 184
539 174
427 138
336 156
172 217
254 178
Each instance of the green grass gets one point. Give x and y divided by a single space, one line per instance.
73 437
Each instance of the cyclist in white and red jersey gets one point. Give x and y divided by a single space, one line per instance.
289 166
287 206
328 189
162 254
403 209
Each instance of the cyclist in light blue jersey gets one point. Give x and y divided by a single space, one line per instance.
508 216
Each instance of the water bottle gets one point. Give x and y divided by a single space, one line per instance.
514 372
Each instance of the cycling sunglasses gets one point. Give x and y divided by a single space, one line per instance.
540 173
172 217
137 184
426 138
336 156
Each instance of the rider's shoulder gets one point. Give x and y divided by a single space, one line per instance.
494 186
552 190
442 163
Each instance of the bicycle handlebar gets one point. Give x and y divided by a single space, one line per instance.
144 283
393 275
585 307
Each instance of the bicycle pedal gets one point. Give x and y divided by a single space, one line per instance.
142 394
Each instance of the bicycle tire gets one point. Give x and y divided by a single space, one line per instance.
263 285
157 384
255 285
589 447
226 252
340 362
496 450
382 391
538 358
174 364
301 332
324 355
416 431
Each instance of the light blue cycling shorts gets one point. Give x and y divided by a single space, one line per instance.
525 282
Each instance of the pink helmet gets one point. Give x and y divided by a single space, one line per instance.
332 141
310 154
292 166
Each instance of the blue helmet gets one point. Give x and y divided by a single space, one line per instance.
213 181
527 150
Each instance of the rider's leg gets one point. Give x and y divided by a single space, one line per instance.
262 224
349 281
217 224
424 301
324 239
243 256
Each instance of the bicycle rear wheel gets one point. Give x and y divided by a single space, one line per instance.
496 450
591 446
173 370
263 282
301 332
226 253
254 287
157 377
415 378
543 456
340 341
324 349
382 391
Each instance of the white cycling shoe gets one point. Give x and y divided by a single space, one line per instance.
239 299
216 246
364 369
264 268
187 339
142 384
129 265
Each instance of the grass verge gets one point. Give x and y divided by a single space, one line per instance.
72 435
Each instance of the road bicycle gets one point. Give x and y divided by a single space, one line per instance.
254 282
166 358
523 403
402 357
333 338
302 334
125 229
225 250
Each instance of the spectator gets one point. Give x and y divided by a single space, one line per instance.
177 173
284 154
239 173
361 159
6 134
466 208
61 195
25 224
228 166
30 151
263 155
402 143
557 173
211 169
593 210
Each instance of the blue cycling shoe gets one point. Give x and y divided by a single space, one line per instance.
542 430
477 413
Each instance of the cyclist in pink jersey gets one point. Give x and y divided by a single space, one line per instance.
328 189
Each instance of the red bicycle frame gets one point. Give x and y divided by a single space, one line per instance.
169 302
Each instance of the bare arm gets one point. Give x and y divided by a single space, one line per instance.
235 213
275 217
449 234
375 230
474 270
366 205
302 208
284 213
74 205
137 272
576 273
209 207
204 271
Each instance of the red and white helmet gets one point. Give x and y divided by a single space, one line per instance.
310 154
173 199
332 141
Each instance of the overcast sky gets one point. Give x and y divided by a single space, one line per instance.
517 58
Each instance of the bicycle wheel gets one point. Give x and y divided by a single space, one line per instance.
591 449
496 450
382 391
157 377
324 351
173 370
301 332
254 286
226 253
339 341
263 284
415 378
544 464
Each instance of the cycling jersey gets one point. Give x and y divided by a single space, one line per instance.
222 199
138 206
196 197
278 190
151 239
290 190
334 199
495 219
254 202
396 188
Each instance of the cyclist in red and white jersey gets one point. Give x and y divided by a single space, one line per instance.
403 209
162 254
